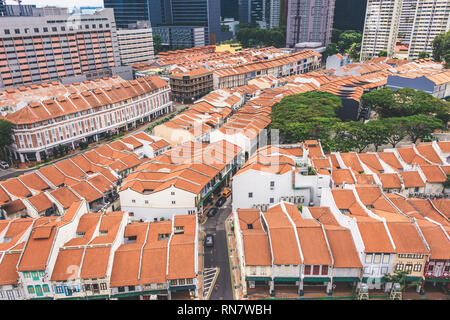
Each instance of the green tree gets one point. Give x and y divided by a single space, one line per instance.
400 278
420 126
347 39
157 43
5 137
354 51
423 55
305 116
330 50
441 48
382 53
396 130
377 133
405 102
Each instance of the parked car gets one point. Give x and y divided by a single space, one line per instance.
4 165
226 193
221 201
211 212
209 240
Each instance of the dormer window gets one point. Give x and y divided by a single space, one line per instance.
163 236
103 232
179 230
80 234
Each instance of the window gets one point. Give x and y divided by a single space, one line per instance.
172 193
447 269
384 270
30 289
250 194
54 29
103 286
121 289
431 267
181 282
368 258
45 288
271 200
131 288
385 258
173 202
324 270
36 29
7 31
417 267
87 287
408 267
375 271
173 282
316 270
307 269
377 258
249 226
146 201
133 201
38 290
45 29
399 267
189 281
17 31
272 183
366 270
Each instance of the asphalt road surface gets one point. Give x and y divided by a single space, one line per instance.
218 255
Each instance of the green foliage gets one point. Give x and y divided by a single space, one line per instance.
396 130
441 48
420 126
83 145
405 102
382 53
348 41
257 37
224 28
355 51
304 116
5 137
447 182
157 43
423 55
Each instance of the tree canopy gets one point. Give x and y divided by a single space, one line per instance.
254 37
441 48
5 136
405 102
348 41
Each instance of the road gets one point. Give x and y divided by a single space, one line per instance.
218 255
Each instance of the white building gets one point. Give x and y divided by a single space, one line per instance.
135 45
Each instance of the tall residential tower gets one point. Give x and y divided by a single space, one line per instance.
309 21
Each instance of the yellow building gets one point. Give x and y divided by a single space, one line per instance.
231 47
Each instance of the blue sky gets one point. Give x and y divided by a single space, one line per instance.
61 3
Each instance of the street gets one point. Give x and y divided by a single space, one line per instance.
217 256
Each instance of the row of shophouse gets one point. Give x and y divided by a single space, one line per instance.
353 239
93 176
84 114
102 255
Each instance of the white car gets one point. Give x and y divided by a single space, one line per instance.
4 165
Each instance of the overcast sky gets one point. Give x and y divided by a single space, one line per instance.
61 3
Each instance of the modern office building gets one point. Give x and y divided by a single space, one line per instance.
189 13
413 23
181 36
135 45
265 13
127 12
309 21
65 48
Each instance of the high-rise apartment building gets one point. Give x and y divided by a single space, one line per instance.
127 12
135 45
414 23
63 47
309 21
380 27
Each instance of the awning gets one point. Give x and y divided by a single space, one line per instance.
413 278
138 293
285 279
258 278
346 279
379 279
318 279
43 298
105 296
437 279
182 288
